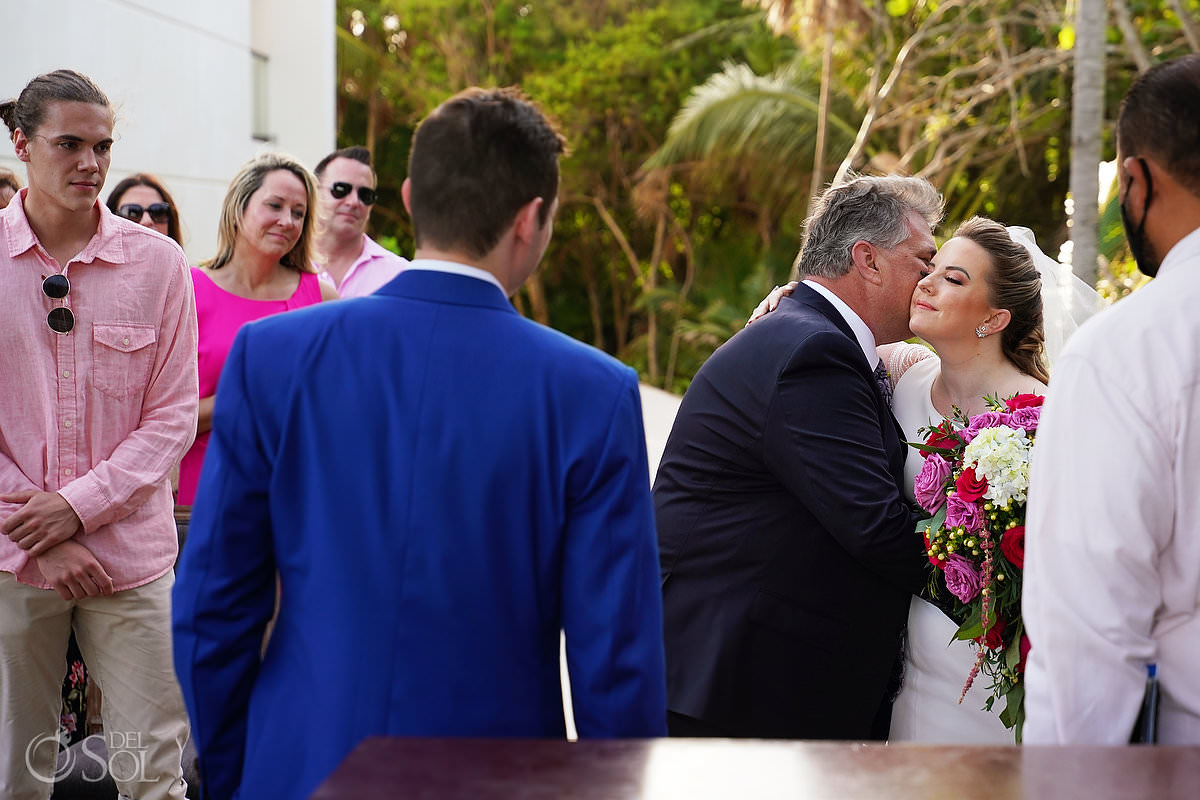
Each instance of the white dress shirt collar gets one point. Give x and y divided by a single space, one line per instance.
1184 249
455 268
866 339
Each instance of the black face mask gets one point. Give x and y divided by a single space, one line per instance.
1146 262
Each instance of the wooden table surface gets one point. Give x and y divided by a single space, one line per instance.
704 769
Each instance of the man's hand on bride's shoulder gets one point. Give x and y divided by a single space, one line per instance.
771 301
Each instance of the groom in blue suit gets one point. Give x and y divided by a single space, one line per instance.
440 484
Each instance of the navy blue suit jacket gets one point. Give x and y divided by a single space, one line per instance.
442 485
788 552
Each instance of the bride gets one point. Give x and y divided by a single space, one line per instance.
981 309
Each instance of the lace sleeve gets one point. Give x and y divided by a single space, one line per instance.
898 357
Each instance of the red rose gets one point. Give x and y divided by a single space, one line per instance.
1024 401
1024 649
970 486
1012 544
943 437
993 639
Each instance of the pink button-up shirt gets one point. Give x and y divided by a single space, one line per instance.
374 267
102 413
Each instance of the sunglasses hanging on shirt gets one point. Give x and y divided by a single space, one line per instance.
365 194
159 212
60 319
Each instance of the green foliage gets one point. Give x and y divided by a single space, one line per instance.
693 126
658 273
755 132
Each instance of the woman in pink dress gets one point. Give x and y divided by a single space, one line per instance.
263 266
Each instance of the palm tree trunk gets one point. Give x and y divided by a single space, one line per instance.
1129 32
1087 118
689 277
372 118
660 235
1188 24
537 299
818 172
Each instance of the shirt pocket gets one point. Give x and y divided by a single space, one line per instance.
122 355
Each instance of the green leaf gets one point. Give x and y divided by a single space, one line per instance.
971 629
1015 708
1012 655
932 524
924 448
898 8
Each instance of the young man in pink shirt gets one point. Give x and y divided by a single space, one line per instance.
98 368
352 261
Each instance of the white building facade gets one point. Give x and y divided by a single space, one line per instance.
198 87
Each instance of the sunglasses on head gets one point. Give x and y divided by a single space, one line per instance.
60 319
365 194
159 212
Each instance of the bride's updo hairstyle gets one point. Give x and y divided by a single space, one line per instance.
1016 287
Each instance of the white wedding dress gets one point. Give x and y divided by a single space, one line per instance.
935 669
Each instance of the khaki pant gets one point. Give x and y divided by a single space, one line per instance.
125 640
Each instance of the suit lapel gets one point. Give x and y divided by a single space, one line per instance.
807 296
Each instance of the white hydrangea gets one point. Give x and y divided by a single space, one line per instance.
1001 455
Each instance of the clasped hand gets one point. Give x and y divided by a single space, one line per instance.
45 519
73 572
771 301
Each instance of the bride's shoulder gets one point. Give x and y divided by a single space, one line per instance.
1027 384
899 357
1021 383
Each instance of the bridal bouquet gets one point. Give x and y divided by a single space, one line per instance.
974 483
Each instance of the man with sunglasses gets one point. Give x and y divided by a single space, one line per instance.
98 402
352 261
1112 566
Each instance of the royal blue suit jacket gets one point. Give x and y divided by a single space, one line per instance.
442 485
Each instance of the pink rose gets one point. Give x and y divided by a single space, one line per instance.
962 513
1026 417
962 579
988 419
929 487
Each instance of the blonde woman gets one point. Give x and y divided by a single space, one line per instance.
263 266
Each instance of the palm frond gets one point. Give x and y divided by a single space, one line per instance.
758 130
719 30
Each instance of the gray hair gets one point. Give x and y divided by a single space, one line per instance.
864 208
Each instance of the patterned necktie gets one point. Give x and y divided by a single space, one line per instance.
884 383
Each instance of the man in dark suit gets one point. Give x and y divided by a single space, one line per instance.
787 548
442 486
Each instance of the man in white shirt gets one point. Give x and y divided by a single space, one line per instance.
1112 570
349 259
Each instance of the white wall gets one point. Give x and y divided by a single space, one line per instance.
178 73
